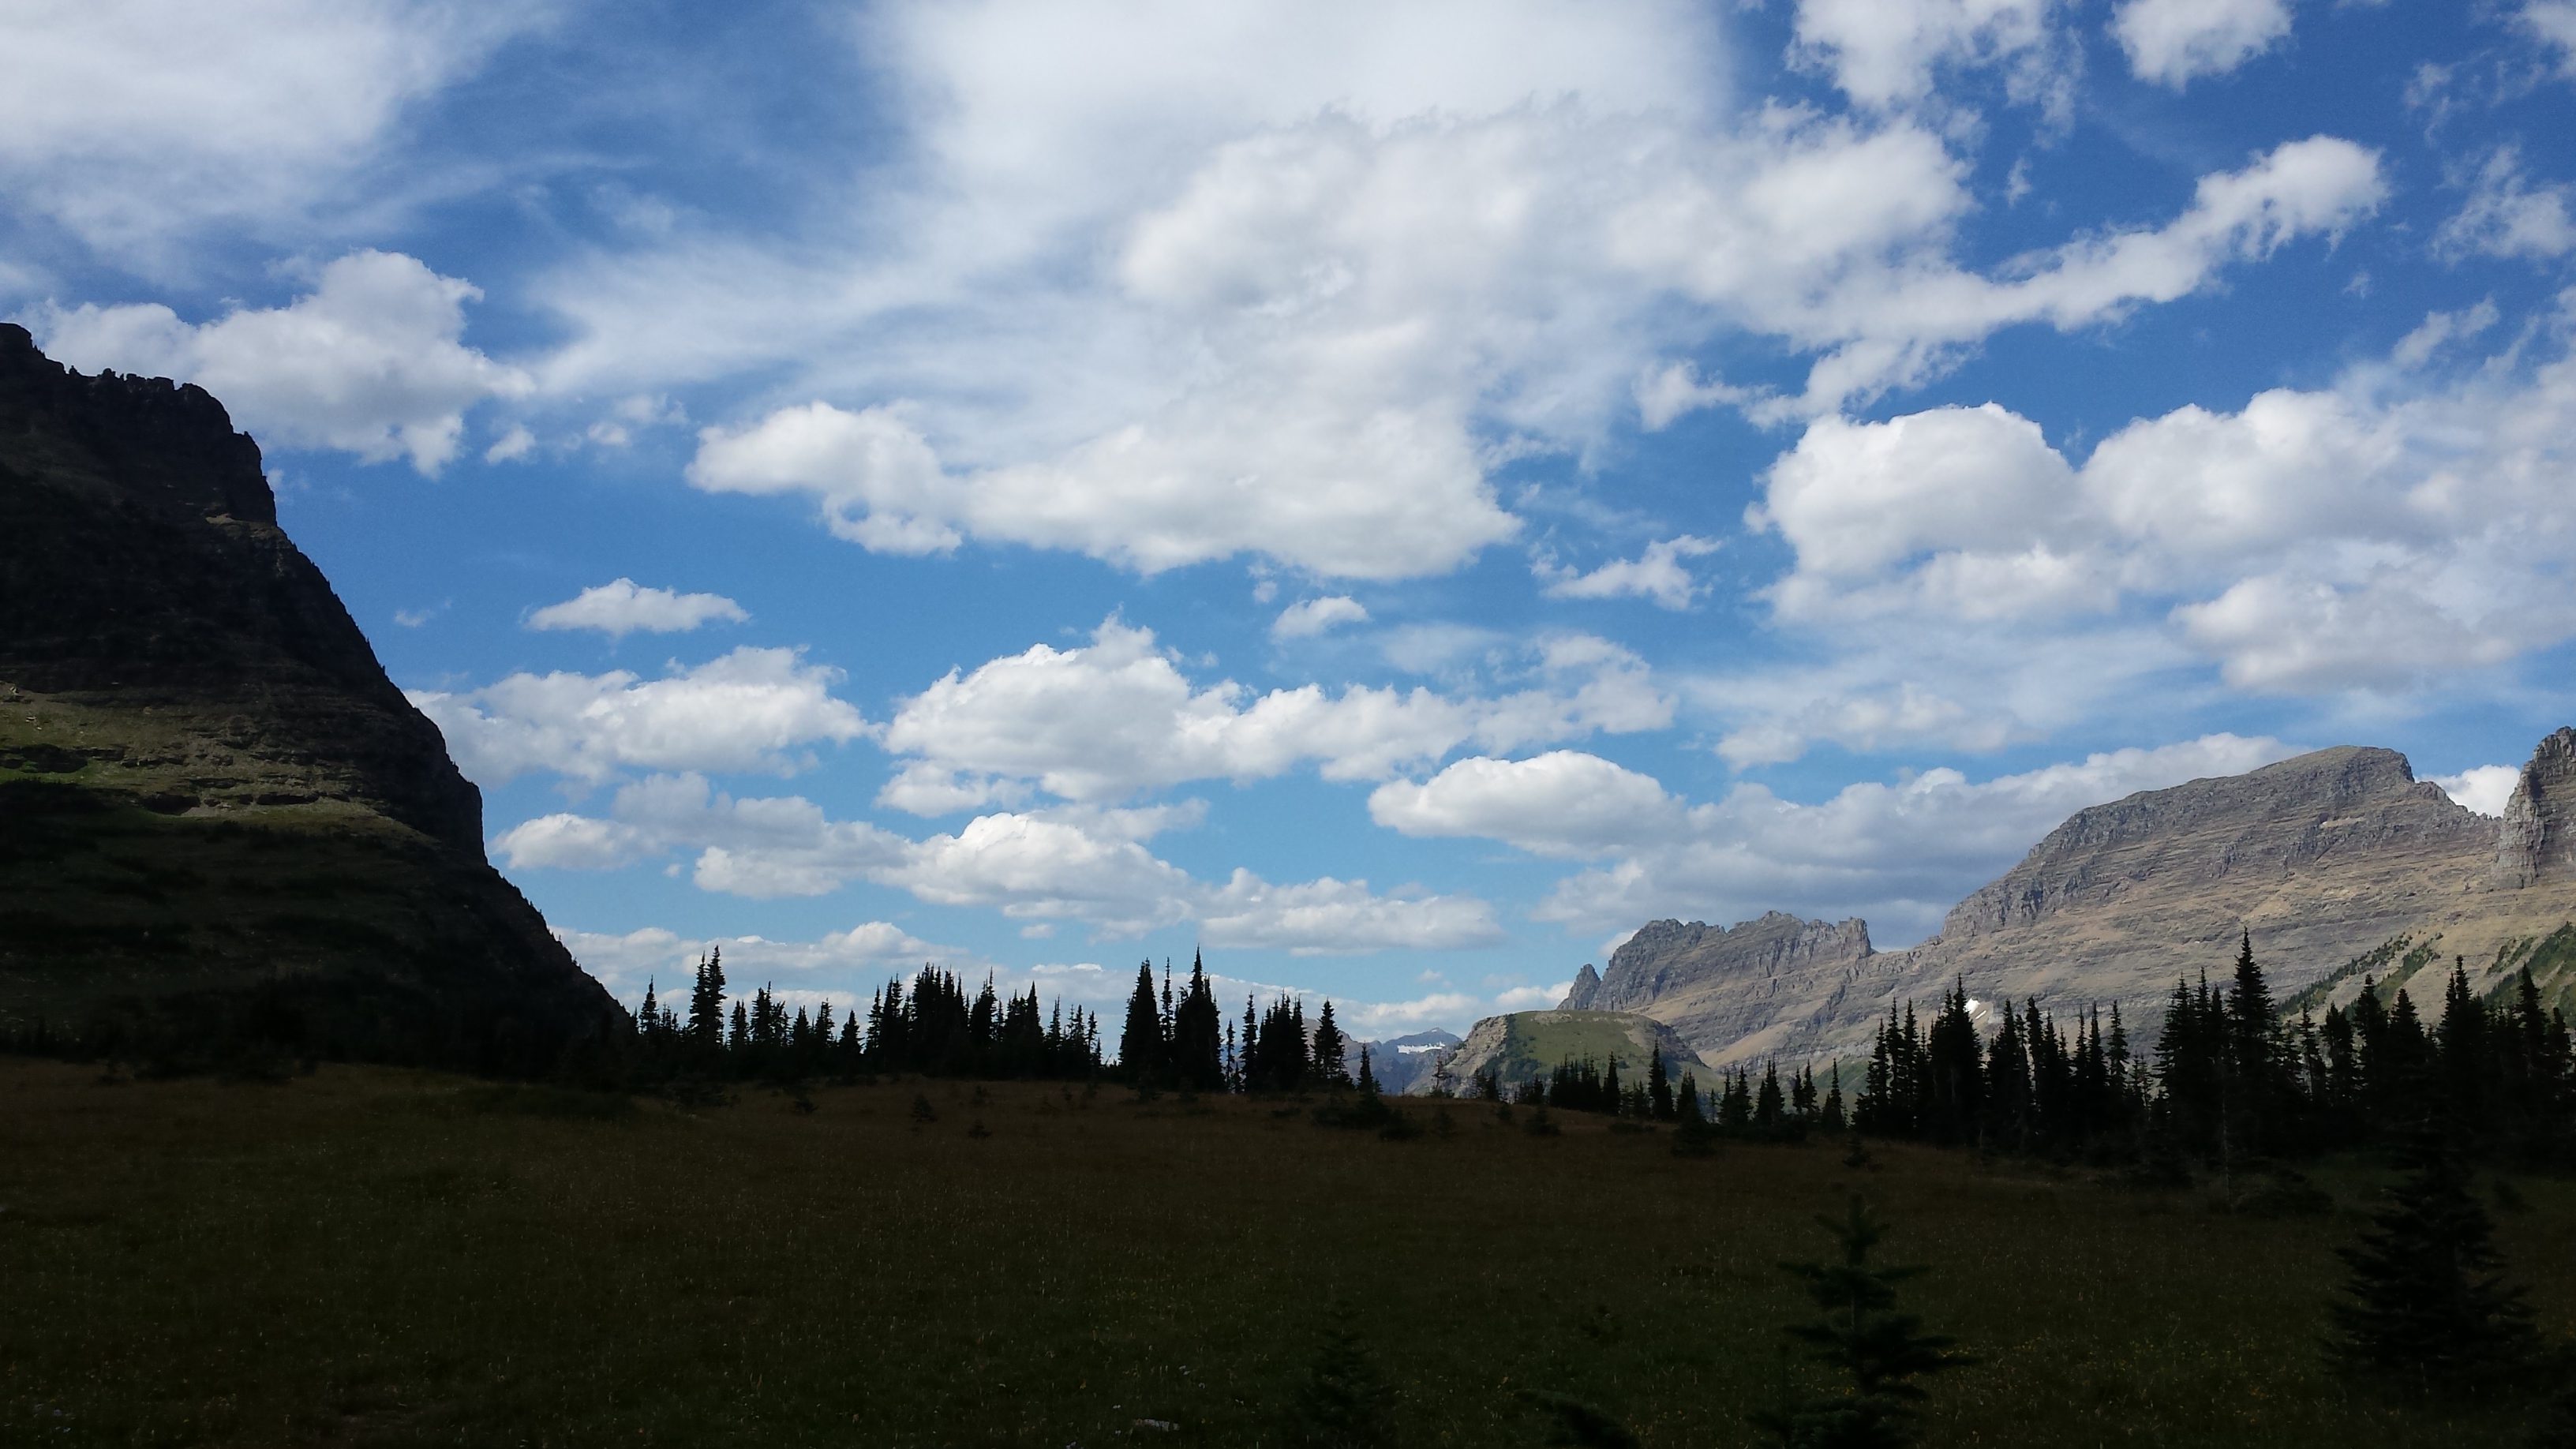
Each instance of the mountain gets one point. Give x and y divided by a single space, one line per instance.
2340 863
1401 1063
1525 1044
220 816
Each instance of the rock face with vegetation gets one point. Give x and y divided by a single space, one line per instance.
1526 1044
2340 863
222 819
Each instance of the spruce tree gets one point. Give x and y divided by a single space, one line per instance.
1878 1351
1659 1089
1343 1404
1140 1044
1331 1048
2430 1307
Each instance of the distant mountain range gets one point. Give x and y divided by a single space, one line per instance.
2340 863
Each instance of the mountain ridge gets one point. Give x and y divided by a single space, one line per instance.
2324 859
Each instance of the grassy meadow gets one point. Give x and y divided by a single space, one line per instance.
365 1256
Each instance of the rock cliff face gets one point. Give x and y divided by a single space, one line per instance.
211 788
1524 1044
2538 845
2324 858
1750 987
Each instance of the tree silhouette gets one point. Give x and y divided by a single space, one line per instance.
2430 1307
1879 1351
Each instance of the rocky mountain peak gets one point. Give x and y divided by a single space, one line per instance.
2538 841
138 440
1587 985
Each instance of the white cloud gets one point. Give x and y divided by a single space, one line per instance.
1103 721
1899 853
1143 315
1886 52
665 959
133 123
2368 536
749 710
1667 392
1074 863
369 361
511 446
1656 574
619 608
2171 41
1309 617
2487 789
2553 24
2506 216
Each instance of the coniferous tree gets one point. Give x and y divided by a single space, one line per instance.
1834 1119
1331 1049
1140 1044
2429 1304
1659 1089
1197 1050
1686 1105
1344 1402
1878 1351
1767 1107
706 1003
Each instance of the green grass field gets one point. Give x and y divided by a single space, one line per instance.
374 1257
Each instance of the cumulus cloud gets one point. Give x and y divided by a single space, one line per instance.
1310 617
2171 41
1106 720
2368 536
1656 574
134 124
665 959
370 361
1897 853
1161 320
1073 863
2487 789
752 709
619 608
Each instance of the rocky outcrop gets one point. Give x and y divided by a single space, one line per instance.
1587 985
1524 1044
1748 987
2538 841
210 786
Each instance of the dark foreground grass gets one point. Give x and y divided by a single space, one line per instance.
375 1257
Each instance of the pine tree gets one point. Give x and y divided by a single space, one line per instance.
1197 1049
1834 1121
1368 1078
1343 1404
1331 1049
706 1003
1140 1045
2430 1306
1659 1089
1878 1350
1767 1105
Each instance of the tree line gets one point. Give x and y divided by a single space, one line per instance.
934 1027
2230 1076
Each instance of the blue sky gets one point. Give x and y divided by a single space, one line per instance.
1397 496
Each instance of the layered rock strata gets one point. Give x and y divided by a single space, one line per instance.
2326 859
212 789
